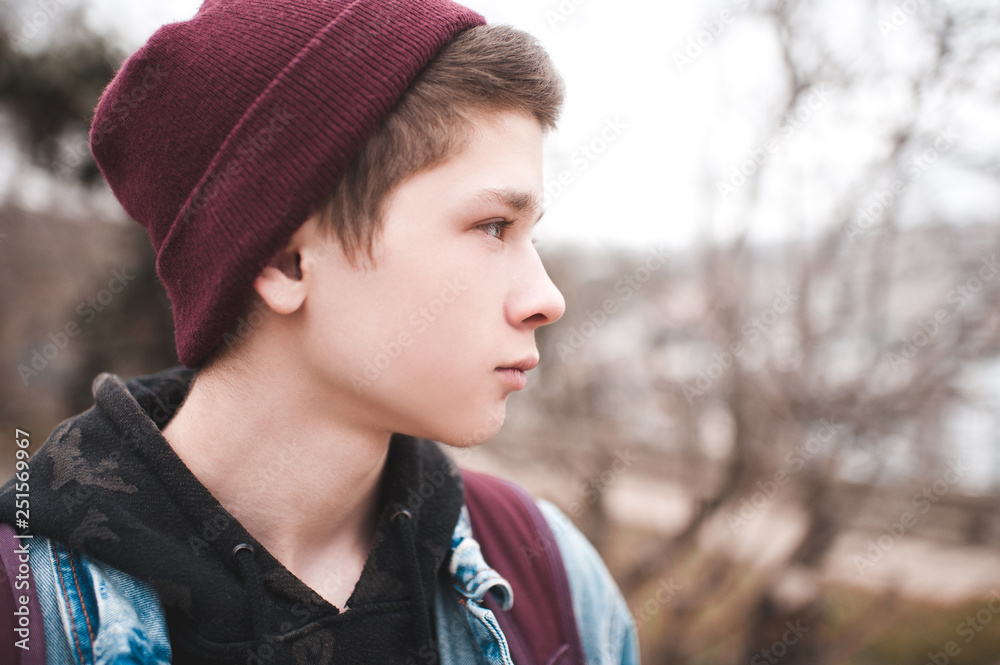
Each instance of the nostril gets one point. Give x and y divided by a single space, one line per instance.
537 319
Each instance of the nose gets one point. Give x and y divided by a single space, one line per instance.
537 301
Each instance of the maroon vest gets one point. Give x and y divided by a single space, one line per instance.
517 542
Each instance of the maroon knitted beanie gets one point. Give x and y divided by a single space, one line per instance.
225 132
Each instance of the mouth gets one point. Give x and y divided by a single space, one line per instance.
515 374
525 365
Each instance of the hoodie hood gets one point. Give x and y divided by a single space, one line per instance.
109 485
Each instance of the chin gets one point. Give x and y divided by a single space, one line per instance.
470 431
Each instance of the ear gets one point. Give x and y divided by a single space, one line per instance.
280 283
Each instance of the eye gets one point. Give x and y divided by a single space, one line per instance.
495 228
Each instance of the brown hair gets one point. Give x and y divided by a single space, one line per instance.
485 69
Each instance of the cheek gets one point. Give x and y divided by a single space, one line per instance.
424 322
391 323
465 311
424 348
355 325
444 329
444 345
445 305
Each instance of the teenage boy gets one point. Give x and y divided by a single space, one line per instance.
341 197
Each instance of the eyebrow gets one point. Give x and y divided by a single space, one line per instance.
521 202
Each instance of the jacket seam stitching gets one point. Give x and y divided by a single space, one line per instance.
83 605
69 605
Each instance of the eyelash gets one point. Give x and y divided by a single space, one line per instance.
501 224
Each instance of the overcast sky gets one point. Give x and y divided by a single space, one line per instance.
669 122
642 190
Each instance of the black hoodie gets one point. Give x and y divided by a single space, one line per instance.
108 484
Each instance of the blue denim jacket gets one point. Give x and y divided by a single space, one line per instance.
93 613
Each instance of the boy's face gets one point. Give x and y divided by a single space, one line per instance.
416 344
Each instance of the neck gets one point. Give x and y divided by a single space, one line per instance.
302 481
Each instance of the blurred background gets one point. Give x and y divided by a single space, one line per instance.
773 403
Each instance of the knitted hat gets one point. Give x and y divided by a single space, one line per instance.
225 132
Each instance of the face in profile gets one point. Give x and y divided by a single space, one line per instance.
433 339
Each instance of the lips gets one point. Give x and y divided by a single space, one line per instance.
515 374
525 365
